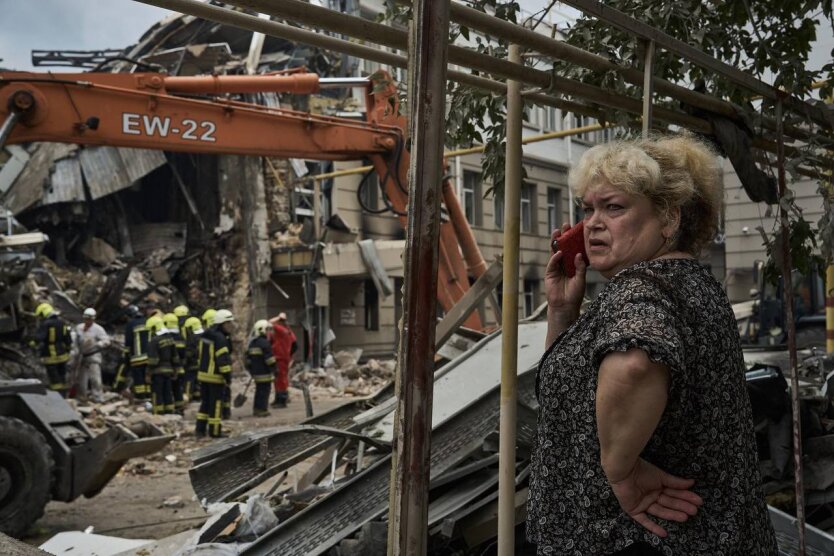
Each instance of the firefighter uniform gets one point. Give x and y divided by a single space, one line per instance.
136 345
261 365
172 325
182 315
54 342
214 374
163 361
193 332
120 380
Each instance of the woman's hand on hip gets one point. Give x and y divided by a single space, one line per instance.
648 492
564 294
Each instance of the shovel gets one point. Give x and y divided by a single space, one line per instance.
240 399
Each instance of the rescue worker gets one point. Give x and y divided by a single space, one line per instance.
163 361
53 342
260 362
208 318
183 314
193 332
226 396
215 372
172 326
90 340
283 346
136 346
122 380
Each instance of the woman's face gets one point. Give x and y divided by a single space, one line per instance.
621 230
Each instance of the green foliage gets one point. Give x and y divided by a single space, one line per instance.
802 240
762 38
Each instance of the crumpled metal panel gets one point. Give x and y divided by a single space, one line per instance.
66 184
228 467
110 169
29 187
325 523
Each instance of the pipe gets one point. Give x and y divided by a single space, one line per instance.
7 127
409 492
790 323
296 83
343 82
509 317
648 88
829 309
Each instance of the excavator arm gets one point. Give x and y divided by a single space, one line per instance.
197 115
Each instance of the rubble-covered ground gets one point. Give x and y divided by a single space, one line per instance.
151 497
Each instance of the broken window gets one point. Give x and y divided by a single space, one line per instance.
371 306
531 292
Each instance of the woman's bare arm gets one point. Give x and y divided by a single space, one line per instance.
631 397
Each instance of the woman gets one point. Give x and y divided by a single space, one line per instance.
645 442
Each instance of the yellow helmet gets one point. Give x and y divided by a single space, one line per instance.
181 311
154 324
261 327
44 310
193 324
208 317
172 322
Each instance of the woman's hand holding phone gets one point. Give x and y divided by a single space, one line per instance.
565 291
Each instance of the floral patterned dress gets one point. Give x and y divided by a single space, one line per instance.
675 311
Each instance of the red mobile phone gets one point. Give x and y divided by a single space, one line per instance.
570 243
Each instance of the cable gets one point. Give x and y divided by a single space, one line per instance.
361 201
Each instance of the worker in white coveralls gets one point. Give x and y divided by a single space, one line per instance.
90 339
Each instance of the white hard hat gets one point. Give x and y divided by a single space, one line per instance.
223 315
89 312
261 327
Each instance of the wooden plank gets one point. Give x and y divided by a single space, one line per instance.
470 300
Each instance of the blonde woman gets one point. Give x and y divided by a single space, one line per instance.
645 441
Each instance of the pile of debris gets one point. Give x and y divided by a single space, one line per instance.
342 375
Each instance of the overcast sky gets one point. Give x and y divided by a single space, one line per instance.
101 24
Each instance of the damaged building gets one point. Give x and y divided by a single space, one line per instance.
214 230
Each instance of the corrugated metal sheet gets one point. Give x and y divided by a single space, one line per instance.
141 162
110 169
147 238
66 184
28 189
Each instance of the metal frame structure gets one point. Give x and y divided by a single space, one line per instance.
409 509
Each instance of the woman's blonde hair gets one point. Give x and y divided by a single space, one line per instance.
673 171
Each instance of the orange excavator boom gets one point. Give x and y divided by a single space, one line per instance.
197 115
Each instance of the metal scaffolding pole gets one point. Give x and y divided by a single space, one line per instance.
787 280
408 511
331 20
648 88
509 317
488 64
